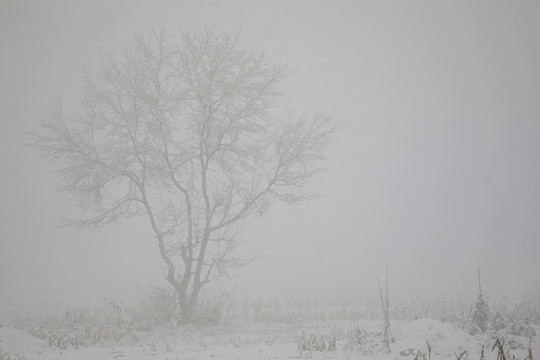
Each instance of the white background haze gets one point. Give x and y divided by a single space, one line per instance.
435 168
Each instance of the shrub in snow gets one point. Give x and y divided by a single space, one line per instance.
162 306
315 342
80 328
522 328
479 317
7 356
208 313
356 335
518 321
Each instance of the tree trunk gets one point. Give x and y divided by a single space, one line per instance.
188 305
188 309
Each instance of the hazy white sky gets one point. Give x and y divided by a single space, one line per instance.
435 169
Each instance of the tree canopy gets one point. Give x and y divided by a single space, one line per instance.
186 135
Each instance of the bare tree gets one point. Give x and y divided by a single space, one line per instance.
185 136
385 304
479 316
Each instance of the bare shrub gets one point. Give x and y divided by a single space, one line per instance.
4 355
308 343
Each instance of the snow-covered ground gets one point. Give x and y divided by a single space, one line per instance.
245 340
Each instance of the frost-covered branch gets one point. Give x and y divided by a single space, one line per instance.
185 134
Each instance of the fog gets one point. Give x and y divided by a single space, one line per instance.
434 169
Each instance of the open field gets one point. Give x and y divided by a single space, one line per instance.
269 330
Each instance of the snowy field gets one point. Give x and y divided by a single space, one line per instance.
263 338
278 341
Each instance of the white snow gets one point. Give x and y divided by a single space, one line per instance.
242 340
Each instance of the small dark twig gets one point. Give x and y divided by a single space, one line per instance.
500 349
458 357
429 350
